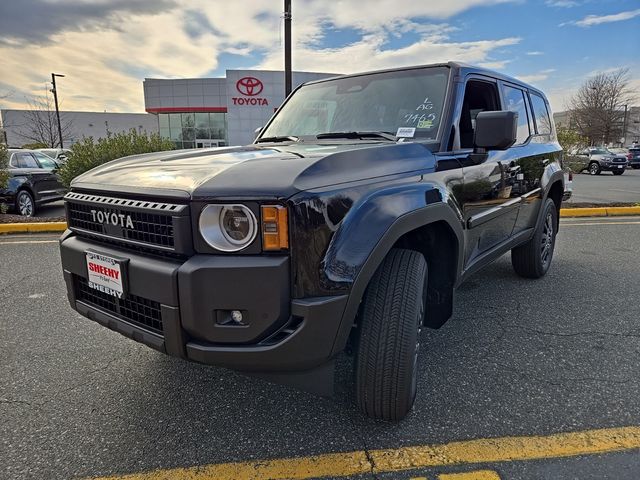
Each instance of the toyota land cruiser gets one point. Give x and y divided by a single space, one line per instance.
361 206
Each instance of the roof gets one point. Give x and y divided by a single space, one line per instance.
460 69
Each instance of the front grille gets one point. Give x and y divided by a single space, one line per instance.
141 312
132 222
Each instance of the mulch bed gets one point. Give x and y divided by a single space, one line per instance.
9 218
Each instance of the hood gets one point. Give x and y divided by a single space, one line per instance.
254 171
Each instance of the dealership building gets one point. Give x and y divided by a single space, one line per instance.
209 112
193 112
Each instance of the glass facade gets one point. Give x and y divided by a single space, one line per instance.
194 130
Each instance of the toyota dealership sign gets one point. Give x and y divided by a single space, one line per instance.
249 88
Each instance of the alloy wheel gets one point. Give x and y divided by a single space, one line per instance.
25 204
547 240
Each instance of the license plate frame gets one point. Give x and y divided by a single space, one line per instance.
107 273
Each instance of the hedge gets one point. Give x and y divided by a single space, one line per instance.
89 153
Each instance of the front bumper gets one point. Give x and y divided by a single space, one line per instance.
613 166
180 308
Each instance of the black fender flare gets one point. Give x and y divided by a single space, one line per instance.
550 180
437 212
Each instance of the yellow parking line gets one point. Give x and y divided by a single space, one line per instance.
486 450
477 475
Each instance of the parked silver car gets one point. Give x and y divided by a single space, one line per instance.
58 154
599 159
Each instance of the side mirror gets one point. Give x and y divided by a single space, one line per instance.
257 131
495 130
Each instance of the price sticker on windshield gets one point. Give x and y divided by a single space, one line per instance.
406 132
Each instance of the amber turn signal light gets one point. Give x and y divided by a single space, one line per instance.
275 230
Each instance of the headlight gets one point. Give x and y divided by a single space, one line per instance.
228 228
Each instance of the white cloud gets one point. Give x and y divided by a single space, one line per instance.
591 20
537 77
535 53
562 3
105 65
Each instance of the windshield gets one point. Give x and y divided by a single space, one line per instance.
381 102
599 151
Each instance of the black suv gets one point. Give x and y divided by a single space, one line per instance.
365 201
634 157
33 181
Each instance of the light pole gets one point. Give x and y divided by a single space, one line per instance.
624 125
287 47
55 99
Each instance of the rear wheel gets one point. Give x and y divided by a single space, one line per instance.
533 259
594 168
390 320
618 172
25 205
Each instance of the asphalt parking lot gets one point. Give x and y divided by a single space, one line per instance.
606 187
521 358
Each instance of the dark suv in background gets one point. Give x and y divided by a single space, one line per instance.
634 156
33 181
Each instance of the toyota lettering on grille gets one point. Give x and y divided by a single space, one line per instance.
112 218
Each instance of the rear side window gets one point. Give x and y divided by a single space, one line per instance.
25 160
541 114
515 102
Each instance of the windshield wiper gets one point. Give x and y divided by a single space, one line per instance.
283 138
385 135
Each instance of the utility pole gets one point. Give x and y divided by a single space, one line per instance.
624 126
287 47
55 98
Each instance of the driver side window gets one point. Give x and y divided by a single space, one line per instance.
479 96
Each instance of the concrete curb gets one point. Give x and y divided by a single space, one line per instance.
43 227
599 212
48 227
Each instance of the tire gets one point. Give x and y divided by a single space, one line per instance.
25 204
533 259
594 168
391 318
618 172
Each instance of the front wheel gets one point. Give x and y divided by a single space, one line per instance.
618 172
390 321
594 168
533 259
25 205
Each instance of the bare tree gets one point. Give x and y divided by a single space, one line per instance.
41 124
598 107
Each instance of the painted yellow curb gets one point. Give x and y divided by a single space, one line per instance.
33 227
564 212
599 212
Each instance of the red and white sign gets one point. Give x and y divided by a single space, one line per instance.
104 274
249 88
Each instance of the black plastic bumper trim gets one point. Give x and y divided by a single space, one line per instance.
307 347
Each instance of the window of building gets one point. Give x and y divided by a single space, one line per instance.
540 113
515 101
186 129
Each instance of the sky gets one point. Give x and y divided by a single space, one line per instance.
105 48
